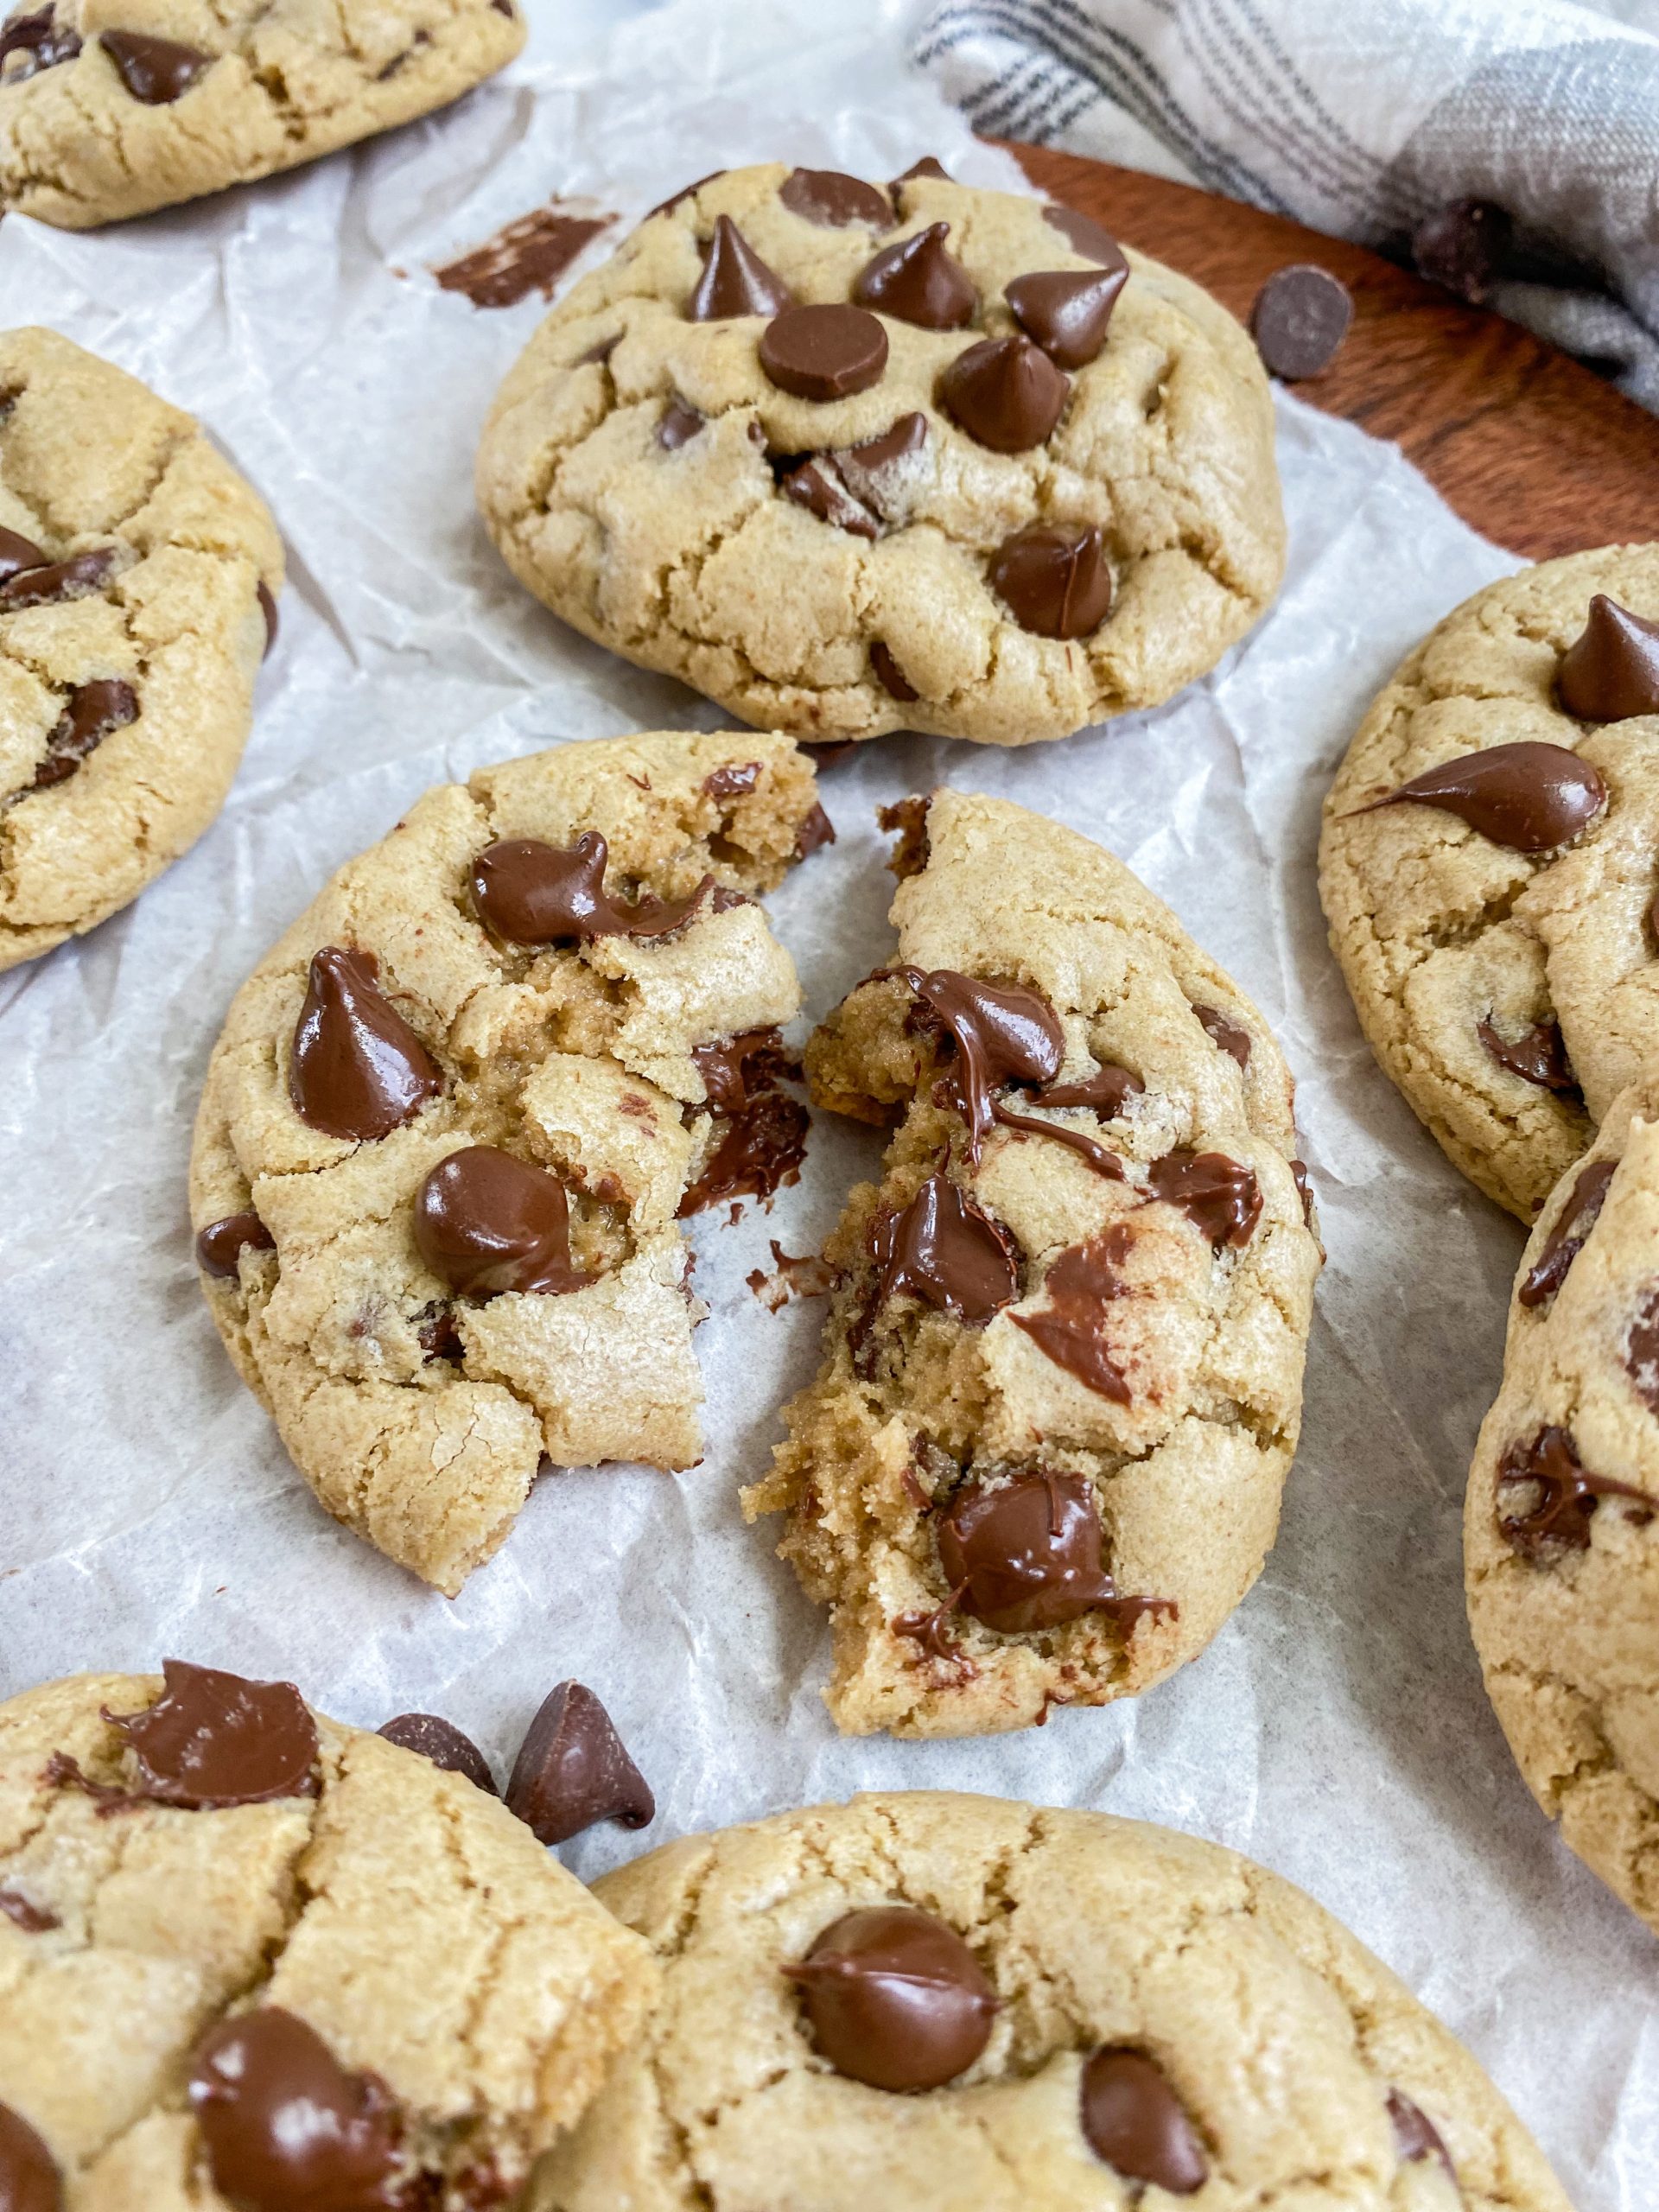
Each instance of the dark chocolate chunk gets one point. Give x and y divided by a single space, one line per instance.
1055 581
1107 1091
823 353
78 577
284 2124
919 280
930 165
214 1739
735 780
1567 1494
1005 393
1304 1191
678 426
666 207
357 1070
1227 1034
29 2180
816 831
572 1771
833 199
18 553
1067 311
1567 1238
734 280
1025 1556
1642 1352
816 486
1083 234
41 39
1415 2133
1300 317
1081 1281
267 608
1464 246
92 711
891 676
155 71
1134 2122
534 894
1528 797
486 1223
1221 1196
1537 1056
34 1920
221 1244
895 1998
1611 671
946 1250
442 1742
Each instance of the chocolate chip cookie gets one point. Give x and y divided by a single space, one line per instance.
935 2001
1489 862
455 1112
111 108
853 459
138 577
1561 1522
250 1957
1062 1377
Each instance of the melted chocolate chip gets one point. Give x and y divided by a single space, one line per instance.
666 207
284 2124
678 426
1642 1352
1220 1196
34 1920
29 2180
816 486
735 780
213 1740
1416 2135
1528 797
572 1771
895 1998
833 199
734 280
533 893
1570 1234
907 819
1005 393
155 71
1304 1191
267 608
822 354
892 678
736 1070
1227 1034
486 1223
1300 317
1025 1556
1537 1056
1611 671
868 470
816 831
1003 1033
17 554
41 39
1067 311
442 1742
357 1070
439 1336
78 577
761 1149
1106 1092
1083 234
930 165
221 1244
92 711
1464 246
1055 581
1134 2122
1568 1494
918 281
1081 1283
946 1250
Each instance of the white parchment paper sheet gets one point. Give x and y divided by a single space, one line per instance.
1336 1729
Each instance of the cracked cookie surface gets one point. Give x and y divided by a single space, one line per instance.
1061 1390
112 108
645 471
1288 2064
404 1916
423 1334
132 562
1561 1521
1510 993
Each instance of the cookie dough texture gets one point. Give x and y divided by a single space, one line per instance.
285 81
1436 928
1281 2035
693 562
405 1916
576 1057
1569 1638
90 462
1187 1475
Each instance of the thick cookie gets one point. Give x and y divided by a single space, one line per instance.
455 1113
937 2002
1489 864
250 1957
852 461
1062 1384
1560 1538
138 577
111 108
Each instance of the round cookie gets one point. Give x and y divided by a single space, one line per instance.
1131 2016
455 1112
1016 480
111 108
1497 933
250 1957
1561 1522
1061 1389
139 576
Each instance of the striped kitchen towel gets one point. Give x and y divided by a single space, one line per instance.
1511 147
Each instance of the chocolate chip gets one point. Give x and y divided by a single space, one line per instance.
1611 671
679 424
918 281
828 753
1304 1191
816 831
1083 234
221 1244
891 676
873 469
439 1335
17 554
1024 1557
1227 1034
1005 393
527 255
1003 1033
666 207
1134 2122
213 1740
830 198
1220 1196
486 1223
267 608
735 780
946 1250
79 577
38 36
155 71
1642 1352
1568 1495
1537 1056
34 1920
816 486
895 1998
1107 1091
734 280
573 1771
533 893
29 2180
442 1742
284 2124
1463 246
735 1071
1300 317
823 353
760 1150
1415 2135
930 165
1530 796
92 711
1081 1281
1567 1238
1067 311
1054 581
358 1071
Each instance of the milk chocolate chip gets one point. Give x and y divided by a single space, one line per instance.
1229 1035
486 1223
918 281
1055 581
1066 311
678 425
832 199
1083 235
895 1998
1537 1056
38 36
1567 1494
891 676
822 354
1611 671
930 165
213 1740
1530 796
1005 393
29 2180
92 711
34 1920
1025 1555
1081 1283
442 1742
1221 1196
78 577
871 469
17 554
1300 317
1567 1238
573 1771
1415 2135
155 71
221 1244
357 1070
666 207
1464 246
1003 1033
285 2125
534 894
734 280
1106 1092
946 1250
1134 2122
735 780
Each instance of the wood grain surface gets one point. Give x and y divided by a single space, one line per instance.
1533 449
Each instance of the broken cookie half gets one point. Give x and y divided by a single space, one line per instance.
1062 1384
455 1114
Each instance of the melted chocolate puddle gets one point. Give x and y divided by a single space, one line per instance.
527 256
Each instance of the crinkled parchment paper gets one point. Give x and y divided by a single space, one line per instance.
1337 1728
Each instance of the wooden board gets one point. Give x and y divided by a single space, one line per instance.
1533 449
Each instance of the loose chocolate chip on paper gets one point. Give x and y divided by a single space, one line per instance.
1005 393
155 71
573 1771
442 1742
833 199
1055 581
945 1250
679 424
1611 671
1530 796
822 354
1300 317
358 1071
1083 235
1229 1035
1066 311
1464 246
267 608
1219 1196
29 2180
221 1243
283 2123
1537 1056
39 37
918 281
734 280
90 713
214 1739
1567 1238
486 1223
890 676
1134 2122
895 1998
